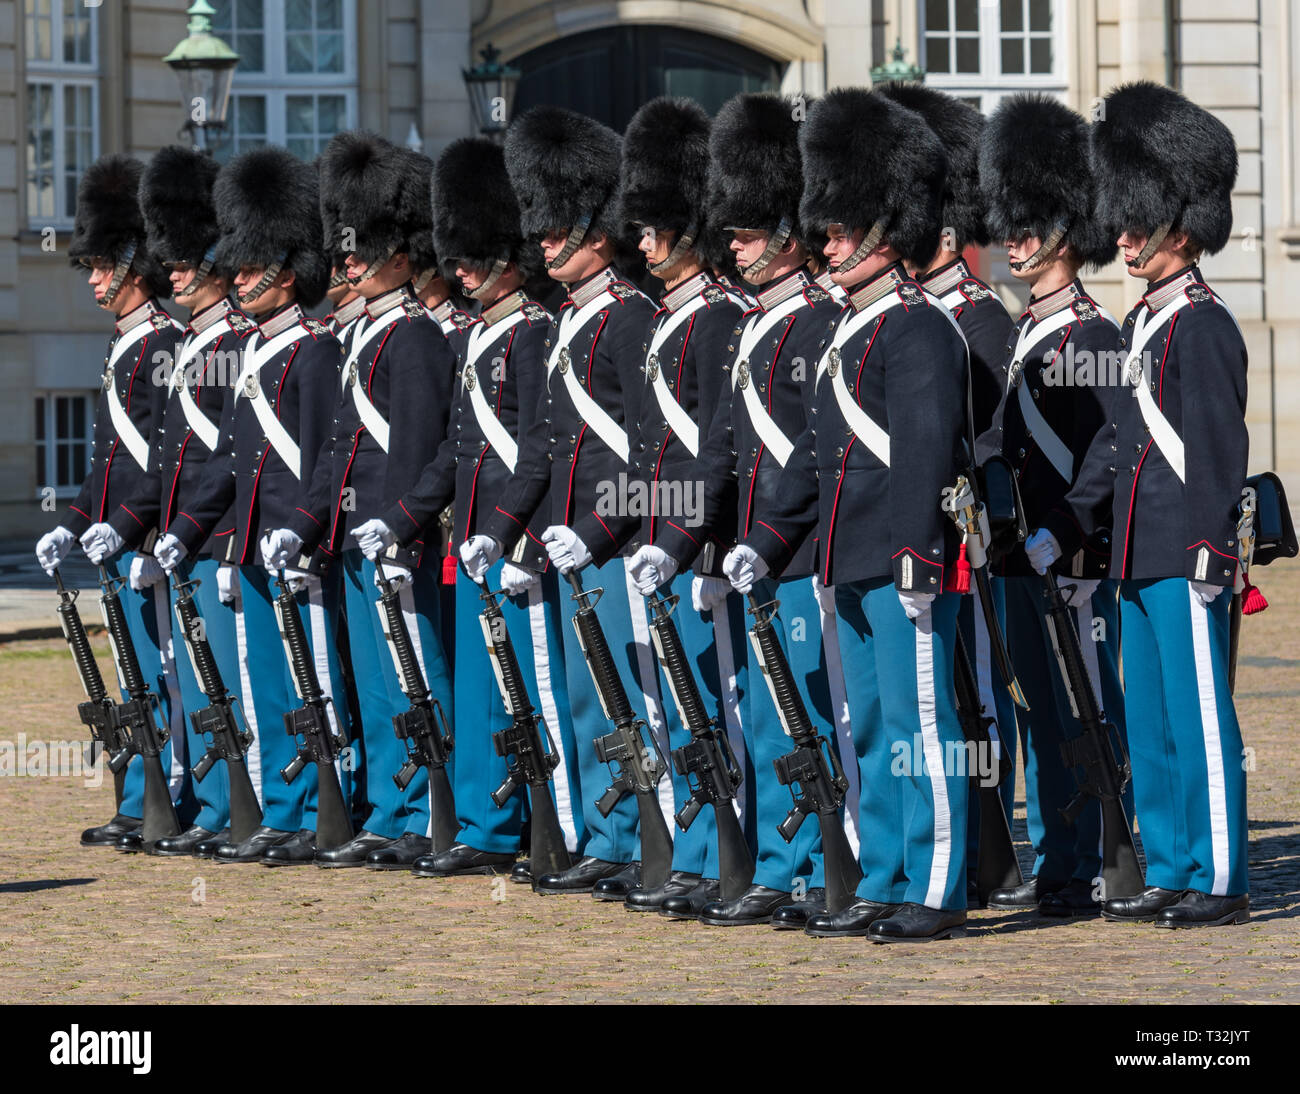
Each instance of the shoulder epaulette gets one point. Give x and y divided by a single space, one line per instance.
461 320
815 294
240 323
1085 309
162 321
911 295
622 290
1198 293
715 294
316 328
535 313
974 290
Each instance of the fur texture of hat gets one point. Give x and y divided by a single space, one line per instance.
666 165
1158 159
563 165
958 126
180 219
475 211
867 159
421 247
1035 169
754 166
108 219
268 206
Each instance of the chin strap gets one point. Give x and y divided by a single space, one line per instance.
120 269
1152 245
420 282
498 268
263 282
200 276
869 243
338 279
1048 245
684 243
773 248
373 268
572 242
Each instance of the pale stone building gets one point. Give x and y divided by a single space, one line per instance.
80 77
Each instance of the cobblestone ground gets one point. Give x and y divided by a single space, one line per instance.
94 926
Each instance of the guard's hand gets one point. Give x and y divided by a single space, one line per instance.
100 541
169 551
1077 591
567 551
227 582
477 554
743 567
650 567
278 547
708 592
52 548
373 537
296 579
1205 592
915 604
1042 549
515 580
397 574
145 571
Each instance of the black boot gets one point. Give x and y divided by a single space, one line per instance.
755 905
679 883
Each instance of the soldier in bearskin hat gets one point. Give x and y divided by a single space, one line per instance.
390 417
109 240
1167 477
890 396
1042 202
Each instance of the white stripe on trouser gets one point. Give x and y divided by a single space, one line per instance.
983 669
254 758
1083 622
321 655
730 694
648 671
161 594
1217 785
406 598
927 712
550 713
840 705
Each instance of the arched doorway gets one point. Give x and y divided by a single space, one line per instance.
608 73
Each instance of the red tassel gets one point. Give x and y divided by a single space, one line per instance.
961 581
1252 600
449 570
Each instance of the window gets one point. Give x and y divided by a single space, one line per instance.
62 106
981 50
64 435
296 80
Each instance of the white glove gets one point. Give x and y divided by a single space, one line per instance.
743 567
374 536
169 551
1077 591
650 567
1042 550
100 541
915 604
397 574
567 551
1206 592
516 580
227 582
478 553
278 547
145 571
296 579
708 592
52 547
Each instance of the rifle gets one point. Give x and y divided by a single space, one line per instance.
812 770
426 744
1098 753
216 723
526 746
706 761
320 744
138 716
99 713
997 866
636 769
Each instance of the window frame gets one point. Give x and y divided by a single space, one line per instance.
989 83
47 469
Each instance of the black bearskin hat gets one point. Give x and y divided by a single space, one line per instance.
754 173
666 165
867 159
176 200
958 126
108 220
268 210
418 171
1034 170
563 165
475 211
1160 159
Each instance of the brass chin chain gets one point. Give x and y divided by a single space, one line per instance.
200 276
1048 245
498 268
572 242
373 268
120 270
773 248
680 248
1152 245
263 282
869 243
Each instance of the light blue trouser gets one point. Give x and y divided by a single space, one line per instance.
533 625
911 753
1189 765
393 812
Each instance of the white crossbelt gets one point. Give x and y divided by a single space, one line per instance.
496 434
588 409
1056 450
203 427
687 431
1164 434
774 440
126 429
374 422
255 357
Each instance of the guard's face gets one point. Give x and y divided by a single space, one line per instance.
181 275
553 242
101 273
1018 250
841 242
656 243
748 246
470 275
